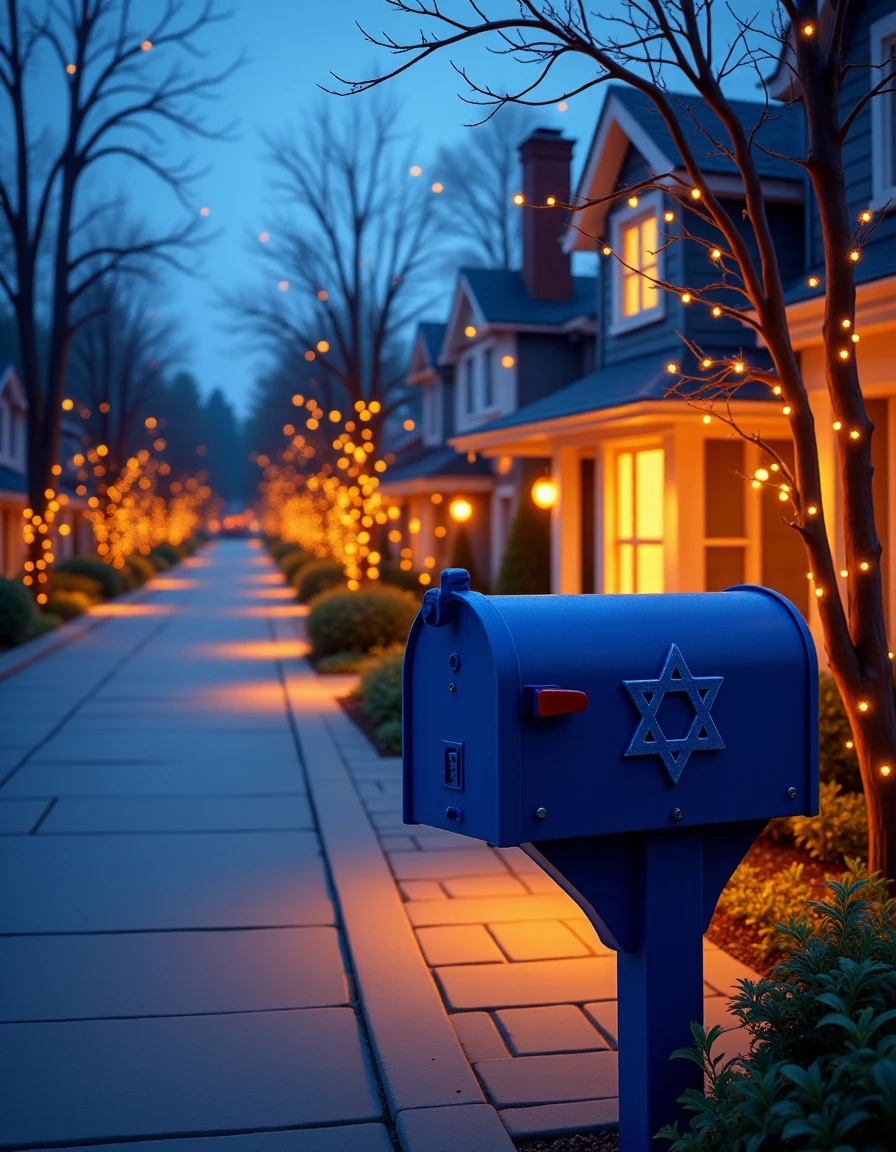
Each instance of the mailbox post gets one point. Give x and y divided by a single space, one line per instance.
634 747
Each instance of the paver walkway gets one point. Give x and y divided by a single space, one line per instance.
172 962
213 923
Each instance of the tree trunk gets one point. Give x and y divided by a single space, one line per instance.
874 733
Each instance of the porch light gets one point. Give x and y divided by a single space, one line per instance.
544 493
507 361
460 510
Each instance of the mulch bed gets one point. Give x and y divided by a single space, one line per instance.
583 1142
355 710
768 857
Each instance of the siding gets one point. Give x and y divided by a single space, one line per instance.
547 363
857 149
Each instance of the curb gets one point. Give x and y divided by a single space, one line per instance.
432 1093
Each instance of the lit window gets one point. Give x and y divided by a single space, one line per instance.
639 244
488 379
883 109
639 520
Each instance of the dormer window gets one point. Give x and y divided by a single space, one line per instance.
636 240
883 110
470 385
488 379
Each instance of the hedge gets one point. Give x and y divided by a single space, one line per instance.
109 578
372 617
317 576
16 613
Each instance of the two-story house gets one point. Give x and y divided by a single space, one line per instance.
512 337
71 530
667 508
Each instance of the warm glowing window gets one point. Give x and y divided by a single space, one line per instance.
639 520
639 245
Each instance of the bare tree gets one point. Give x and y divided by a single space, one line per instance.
641 47
348 261
124 81
480 175
120 357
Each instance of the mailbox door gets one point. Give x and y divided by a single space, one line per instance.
734 672
461 687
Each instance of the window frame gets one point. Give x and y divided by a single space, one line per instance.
650 205
633 541
883 119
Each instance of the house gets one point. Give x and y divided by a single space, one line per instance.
511 338
652 494
13 413
71 530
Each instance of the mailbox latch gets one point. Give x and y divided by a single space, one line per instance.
552 700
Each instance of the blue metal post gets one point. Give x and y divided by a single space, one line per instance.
660 987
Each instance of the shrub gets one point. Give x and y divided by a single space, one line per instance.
291 563
109 578
379 691
315 577
397 578
140 567
278 548
43 623
68 604
837 762
168 552
16 613
462 557
839 831
72 582
526 564
343 662
763 904
343 621
821 1073
159 562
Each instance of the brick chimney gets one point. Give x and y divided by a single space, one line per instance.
547 270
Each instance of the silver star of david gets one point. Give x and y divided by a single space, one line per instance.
647 696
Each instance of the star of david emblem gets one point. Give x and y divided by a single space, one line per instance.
647 696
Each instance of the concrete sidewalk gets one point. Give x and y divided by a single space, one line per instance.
173 962
214 925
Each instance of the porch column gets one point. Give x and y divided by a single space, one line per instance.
685 507
566 523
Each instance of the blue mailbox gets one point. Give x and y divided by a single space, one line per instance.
634 746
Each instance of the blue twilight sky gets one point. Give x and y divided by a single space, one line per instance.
291 46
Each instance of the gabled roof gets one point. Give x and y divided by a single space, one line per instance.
628 382
629 119
499 297
430 334
438 461
424 362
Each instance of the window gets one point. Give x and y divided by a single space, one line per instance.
883 110
470 385
432 413
488 379
640 484
636 238
724 514
7 447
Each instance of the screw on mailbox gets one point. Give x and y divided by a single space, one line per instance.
451 688
616 714
454 662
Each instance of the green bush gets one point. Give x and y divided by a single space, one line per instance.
839 831
168 552
343 662
821 1073
291 563
837 757
379 691
343 621
72 582
396 577
140 568
43 623
462 557
16 613
108 578
278 548
315 577
68 604
526 564
763 904
160 563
